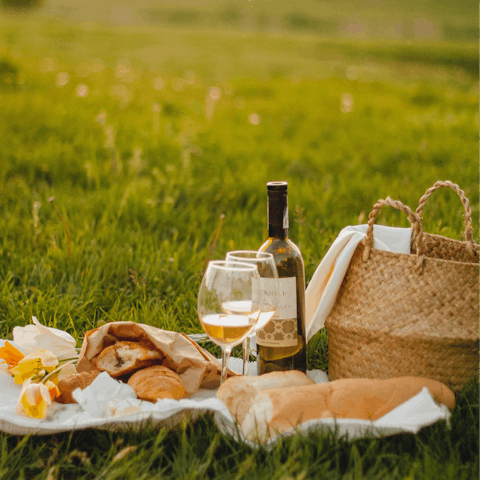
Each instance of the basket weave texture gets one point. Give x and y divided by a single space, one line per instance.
398 314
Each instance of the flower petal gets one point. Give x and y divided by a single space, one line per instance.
37 336
47 358
34 364
10 354
34 399
52 389
26 368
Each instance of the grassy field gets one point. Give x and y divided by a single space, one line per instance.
127 137
402 19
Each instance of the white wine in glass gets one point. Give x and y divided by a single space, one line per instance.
229 304
269 290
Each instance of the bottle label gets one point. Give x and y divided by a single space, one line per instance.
281 330
285 217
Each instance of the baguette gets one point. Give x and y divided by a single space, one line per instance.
239 393
278 410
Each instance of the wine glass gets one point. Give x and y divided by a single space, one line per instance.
269 290
229 304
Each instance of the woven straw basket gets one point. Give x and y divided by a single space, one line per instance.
409 314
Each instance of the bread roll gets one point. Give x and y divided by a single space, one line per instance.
157 382
69 383
278 410
124 358
239 393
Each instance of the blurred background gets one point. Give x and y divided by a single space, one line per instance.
394 19
224 38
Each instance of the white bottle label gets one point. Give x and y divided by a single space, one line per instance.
285 217
281 331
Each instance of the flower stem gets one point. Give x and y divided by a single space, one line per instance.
46 377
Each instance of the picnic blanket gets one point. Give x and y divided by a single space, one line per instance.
410 417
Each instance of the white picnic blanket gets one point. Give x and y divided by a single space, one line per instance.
322 289
410 417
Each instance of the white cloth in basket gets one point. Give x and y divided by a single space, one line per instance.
322 289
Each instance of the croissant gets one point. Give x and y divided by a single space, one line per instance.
124 358
71 382
157 382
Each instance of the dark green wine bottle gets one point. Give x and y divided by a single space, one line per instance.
281 344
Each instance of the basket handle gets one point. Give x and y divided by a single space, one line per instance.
466 205
414 219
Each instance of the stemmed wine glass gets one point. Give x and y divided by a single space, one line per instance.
229 304
269 290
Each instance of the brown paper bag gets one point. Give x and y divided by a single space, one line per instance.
196 367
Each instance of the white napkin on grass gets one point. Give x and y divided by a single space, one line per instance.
323 288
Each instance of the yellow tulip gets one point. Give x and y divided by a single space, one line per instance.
10 354
52 389
34 399
33 364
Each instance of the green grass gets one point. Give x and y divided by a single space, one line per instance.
141 177
402 19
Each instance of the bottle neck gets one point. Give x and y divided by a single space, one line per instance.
276 231
277 215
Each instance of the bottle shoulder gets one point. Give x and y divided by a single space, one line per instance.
280 246
288 257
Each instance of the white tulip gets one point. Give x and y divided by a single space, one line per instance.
37 336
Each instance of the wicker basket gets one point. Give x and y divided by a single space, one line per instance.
408 314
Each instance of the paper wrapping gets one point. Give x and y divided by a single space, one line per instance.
196 367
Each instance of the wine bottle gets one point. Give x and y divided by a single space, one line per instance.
281 344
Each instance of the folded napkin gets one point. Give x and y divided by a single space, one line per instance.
322 290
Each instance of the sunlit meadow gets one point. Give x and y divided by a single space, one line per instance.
135 144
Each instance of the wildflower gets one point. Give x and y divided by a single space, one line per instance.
158 83
254 119
35 398
81 90
62 79
347 104
34 364
10 354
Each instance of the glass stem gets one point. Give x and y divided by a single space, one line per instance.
225 358
246 355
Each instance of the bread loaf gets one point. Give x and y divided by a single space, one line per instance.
69 383
239 393
124 358
157 382
279 409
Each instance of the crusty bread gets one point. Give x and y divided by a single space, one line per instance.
239 393
124 358
69 383
277 410
157 382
